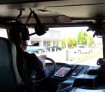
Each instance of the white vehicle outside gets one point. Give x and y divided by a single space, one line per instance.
82 49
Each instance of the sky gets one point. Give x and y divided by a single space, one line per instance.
70 31
73 31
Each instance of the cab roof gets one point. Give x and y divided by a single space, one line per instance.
55 11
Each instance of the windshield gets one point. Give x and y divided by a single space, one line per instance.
72 45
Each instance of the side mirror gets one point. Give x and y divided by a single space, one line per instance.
35 44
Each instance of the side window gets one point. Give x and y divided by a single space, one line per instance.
3 33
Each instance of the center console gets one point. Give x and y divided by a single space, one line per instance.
84 80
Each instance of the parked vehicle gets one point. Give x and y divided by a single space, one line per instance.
37 49
82 49
53 48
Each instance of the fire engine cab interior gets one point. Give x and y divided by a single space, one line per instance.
42 15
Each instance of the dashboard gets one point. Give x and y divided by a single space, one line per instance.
78 78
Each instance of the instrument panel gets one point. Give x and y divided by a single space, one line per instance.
74 76
64 71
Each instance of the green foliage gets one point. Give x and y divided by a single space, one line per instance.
84 39
72 42
63 42
56 43
48 43
90 40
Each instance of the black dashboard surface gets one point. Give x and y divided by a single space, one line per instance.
74 70
80 78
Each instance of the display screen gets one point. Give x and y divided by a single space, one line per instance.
62 72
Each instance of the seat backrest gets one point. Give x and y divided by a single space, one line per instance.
9 76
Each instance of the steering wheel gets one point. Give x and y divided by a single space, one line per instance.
49 74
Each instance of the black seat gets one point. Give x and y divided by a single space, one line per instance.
9 76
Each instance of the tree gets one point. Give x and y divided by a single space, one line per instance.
90 40
63 42
72 42
48 43
82 38
56 43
